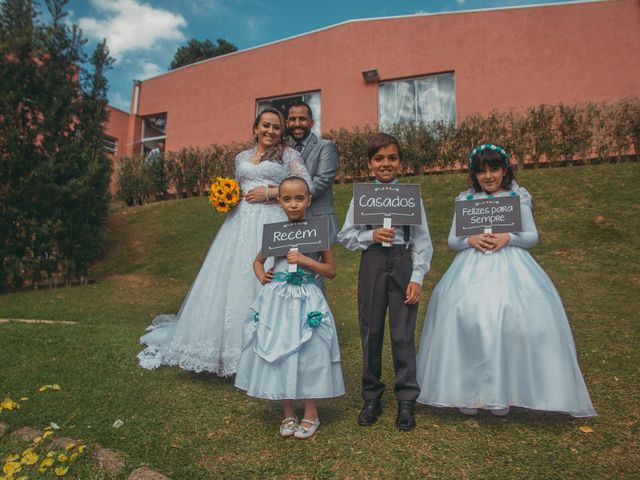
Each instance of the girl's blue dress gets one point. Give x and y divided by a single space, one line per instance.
290 343
496 333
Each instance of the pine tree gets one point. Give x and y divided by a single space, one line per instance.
19 39
53 172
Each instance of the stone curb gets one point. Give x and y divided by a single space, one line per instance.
112 461
145 473
27 433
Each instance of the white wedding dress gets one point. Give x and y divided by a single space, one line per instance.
206 334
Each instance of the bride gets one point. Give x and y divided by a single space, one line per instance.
206 334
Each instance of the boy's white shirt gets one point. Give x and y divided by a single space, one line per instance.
358 237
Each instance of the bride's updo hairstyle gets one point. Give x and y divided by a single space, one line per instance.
275 152
489 155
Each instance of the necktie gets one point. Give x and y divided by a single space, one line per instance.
299 147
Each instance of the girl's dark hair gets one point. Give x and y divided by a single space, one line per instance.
294 178
382 140
275 152
490 158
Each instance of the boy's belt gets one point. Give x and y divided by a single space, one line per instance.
396 247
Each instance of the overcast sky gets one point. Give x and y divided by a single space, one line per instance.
144 35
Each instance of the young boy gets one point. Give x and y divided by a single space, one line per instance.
388 277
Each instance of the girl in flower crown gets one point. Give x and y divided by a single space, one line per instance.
290 344
496 334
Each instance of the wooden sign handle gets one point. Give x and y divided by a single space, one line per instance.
489 231
386 223
293 267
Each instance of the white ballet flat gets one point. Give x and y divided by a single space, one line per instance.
500 412
306 432
289 426
468 411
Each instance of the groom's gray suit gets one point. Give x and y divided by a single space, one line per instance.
321 159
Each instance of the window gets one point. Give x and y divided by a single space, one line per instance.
154 130
417 100
281 103
110 144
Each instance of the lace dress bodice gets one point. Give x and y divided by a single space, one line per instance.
250 175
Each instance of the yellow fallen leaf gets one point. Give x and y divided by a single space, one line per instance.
8 404
55 386
23 399
47 434
586 429
11 467
61 471
29 457
44 388
37 440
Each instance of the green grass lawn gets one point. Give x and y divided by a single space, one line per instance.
198 426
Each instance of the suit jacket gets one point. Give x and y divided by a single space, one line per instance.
321 159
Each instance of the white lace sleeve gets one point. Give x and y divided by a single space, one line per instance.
237 161
294 162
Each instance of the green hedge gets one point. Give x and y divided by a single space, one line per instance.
184 173
542 135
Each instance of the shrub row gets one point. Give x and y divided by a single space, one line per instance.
542 135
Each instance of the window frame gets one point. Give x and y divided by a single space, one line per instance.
317 110
413 78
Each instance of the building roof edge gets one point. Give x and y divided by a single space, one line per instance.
392 17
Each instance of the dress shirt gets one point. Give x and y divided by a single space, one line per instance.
302 142
358 237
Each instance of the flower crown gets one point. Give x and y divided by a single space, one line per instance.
489 146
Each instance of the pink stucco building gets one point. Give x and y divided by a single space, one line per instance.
411 68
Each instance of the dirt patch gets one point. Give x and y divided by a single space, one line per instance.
110 460
145 473
133 281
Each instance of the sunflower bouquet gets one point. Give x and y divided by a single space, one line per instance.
224 194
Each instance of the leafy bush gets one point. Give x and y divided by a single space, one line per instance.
542 135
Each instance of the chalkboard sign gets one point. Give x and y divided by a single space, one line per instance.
500 214
307 235
373 202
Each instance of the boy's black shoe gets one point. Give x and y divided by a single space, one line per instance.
405 420
369 413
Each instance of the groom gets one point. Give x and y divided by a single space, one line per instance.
321 159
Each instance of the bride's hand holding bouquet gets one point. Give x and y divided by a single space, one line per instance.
224 194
